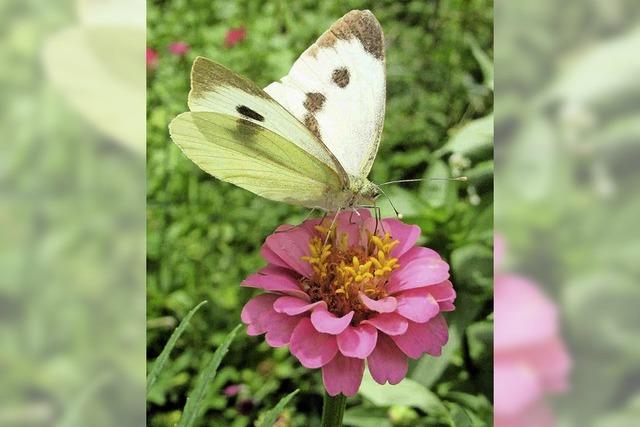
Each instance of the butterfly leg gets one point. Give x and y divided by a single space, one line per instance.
379 210
377 213
324 216
333 223
353 210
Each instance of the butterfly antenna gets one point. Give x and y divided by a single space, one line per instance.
398 214
398 181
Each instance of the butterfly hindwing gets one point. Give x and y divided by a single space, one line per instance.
337 89
246 154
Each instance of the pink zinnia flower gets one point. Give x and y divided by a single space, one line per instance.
351 293
530 358
179 48
152 58
234 36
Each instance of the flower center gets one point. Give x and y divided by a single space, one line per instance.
342 271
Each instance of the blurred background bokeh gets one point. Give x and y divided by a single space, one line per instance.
72 213
567 178
204 235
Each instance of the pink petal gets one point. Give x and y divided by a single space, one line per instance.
279 328
444 294
443 291
290 246
417 305
387 362
389 323
329 323
446 306
343 375
312 348
538 414
524 315
254 310
272 258
423 338
516 386
418 273
294 306
384 305
276 279
549 359
354 225
358 341
405 233
417 252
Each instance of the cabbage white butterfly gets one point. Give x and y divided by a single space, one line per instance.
309 139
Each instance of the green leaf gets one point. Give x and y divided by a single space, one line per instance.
603 72
486 64
480 173
479 403
473 267
271 416
460 417
471 137
480 339
437 190
166 351
428 369
406 202
534 160
407 392
192 407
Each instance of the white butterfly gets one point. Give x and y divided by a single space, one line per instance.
309 139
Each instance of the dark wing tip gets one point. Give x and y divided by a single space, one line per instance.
363 25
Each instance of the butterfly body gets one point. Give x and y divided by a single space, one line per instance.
309 139
358 192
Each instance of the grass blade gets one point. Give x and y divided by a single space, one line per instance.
271 415
192 407
166 351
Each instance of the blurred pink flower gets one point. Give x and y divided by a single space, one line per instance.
351 293
233 389
179 48
234 36
530 358
152 58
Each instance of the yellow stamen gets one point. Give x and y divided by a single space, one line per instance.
341 272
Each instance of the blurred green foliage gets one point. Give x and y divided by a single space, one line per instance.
204 235
71 253
568 206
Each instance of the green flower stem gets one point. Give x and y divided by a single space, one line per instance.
333 410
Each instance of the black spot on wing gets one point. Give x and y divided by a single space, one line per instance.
248 112
314 102
312 124
340 77
245 130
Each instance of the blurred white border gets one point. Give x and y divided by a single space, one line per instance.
72 293
567 154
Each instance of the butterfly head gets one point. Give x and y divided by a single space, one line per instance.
370 191
364 192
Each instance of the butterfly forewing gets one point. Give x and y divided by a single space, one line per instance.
253 157
337 89
214 88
